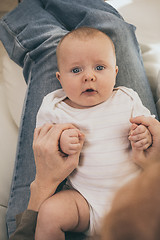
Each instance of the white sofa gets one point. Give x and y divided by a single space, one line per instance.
142 13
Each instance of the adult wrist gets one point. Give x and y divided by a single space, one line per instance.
38 194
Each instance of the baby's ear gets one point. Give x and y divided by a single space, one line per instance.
58 76
116 70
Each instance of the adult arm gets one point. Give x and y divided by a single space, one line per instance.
52 167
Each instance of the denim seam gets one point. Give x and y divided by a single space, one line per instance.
28 56
5 25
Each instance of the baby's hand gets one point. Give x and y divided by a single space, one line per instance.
70 141
140 137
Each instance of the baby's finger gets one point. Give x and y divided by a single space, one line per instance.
74 148
141 145
137 137
132 128
140 129
74 140
74 132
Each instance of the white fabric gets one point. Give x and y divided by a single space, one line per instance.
15 88
105 162
144 14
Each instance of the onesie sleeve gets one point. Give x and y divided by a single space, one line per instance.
138 108
47 110
45 113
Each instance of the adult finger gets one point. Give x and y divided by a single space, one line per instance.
57 129
41 131
149 122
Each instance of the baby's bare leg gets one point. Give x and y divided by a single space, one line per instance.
65 211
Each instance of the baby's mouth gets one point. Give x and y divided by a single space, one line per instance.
90 90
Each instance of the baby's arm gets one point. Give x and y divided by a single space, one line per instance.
70 141
140 137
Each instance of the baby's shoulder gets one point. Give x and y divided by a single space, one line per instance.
126 92
58 94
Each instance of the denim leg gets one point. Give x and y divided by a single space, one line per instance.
31 44
30 34
26 29
70 13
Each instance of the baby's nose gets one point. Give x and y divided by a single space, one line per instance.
89 77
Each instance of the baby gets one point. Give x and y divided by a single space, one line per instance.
87 72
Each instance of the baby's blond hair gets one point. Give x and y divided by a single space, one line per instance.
83 33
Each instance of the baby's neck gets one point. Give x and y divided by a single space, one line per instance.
74 105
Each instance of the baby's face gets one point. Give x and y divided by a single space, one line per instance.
87 71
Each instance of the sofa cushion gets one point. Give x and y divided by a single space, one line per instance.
144 14
15 86
151 59
3 234
8 142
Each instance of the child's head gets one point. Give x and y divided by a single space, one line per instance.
87 67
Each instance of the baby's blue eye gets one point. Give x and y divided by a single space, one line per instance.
99 68
76 70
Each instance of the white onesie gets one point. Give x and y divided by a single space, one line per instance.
105 161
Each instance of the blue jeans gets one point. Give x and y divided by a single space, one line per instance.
30 34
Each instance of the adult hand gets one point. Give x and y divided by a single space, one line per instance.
152 154
52 167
